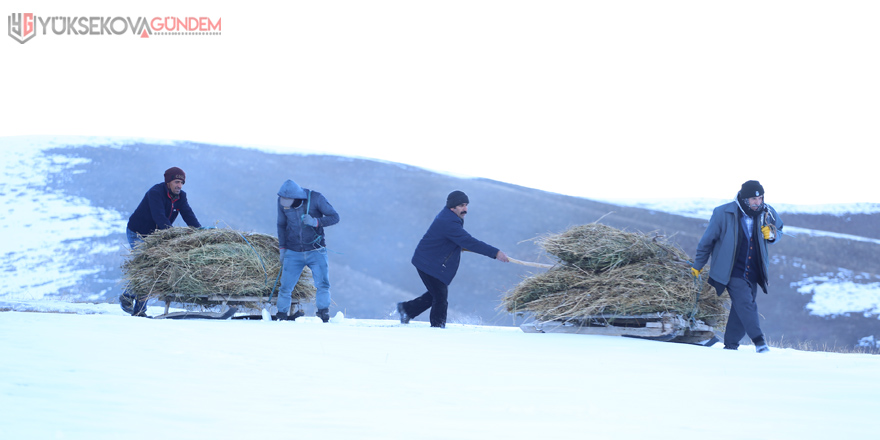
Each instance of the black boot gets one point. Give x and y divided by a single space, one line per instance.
280 316
404 318
126 303
760 344
139 308
296 314
324 314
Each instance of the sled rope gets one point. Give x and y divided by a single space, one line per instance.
529 263
698 285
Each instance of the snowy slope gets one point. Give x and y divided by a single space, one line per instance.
40 225
111 376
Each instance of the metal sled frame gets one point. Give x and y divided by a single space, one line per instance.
671 327
211 300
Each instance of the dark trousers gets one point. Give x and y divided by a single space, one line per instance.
140 304
743 317
435 298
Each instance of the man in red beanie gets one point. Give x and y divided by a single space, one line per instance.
157 210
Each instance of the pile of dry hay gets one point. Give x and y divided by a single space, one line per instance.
606 271
191 262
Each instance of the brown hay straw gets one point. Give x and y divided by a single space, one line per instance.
606 271
193 262
599 247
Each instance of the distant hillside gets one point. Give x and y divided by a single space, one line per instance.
386 207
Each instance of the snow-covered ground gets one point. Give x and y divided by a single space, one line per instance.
101 374
38 223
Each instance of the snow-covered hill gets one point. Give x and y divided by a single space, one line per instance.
103 375
53 241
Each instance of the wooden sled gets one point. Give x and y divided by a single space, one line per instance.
669 327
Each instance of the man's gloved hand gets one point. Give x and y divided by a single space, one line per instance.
768 233
695 273
281 253
310 221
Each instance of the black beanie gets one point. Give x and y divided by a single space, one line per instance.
456 198
751 188
174 173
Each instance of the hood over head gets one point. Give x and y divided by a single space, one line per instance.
290 190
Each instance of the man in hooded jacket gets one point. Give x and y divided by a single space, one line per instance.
302 216
437 257
737 239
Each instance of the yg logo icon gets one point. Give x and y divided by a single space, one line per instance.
21 27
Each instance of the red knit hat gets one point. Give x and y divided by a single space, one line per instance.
174 173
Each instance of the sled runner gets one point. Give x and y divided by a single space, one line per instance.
233 302
229 313
669 327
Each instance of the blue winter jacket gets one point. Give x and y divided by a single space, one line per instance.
439 252
720 241
292 233
158 210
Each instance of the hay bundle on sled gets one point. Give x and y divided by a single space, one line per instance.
209 267
608 277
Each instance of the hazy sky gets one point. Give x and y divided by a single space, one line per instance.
601 99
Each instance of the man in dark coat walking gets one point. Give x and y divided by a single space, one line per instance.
437 257
158 209
737 239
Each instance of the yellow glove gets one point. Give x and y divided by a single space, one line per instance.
767 233
695 273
